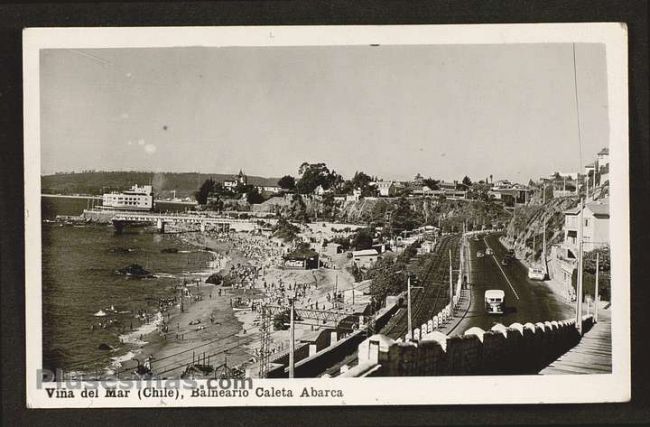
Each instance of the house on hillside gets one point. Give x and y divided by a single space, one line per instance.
319 191
354 197
236 180
450 190
386 188
422 190
515 194
603 157
268 189
365 258
563 257
590 169
595 231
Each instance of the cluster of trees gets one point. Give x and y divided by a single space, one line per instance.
403 217
314 175
589 277
389 275
215 192
285 230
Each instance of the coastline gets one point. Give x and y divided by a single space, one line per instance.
173 335
210 330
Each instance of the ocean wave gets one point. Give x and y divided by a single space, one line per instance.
134 336
118 361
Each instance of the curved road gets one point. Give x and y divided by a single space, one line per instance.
526 300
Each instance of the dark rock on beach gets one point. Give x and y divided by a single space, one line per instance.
214 279
136 271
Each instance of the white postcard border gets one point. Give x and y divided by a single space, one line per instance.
358 391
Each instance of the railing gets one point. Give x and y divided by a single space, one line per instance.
178 218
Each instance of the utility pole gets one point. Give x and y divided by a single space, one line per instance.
336 289
291 339
580 260
534 244
408 305
596 290
544 245
451 280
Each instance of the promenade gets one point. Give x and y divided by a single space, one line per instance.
592 355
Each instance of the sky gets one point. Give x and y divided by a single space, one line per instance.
444 111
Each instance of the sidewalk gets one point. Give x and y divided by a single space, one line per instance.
459 314
592 355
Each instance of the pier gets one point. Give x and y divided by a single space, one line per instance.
122 219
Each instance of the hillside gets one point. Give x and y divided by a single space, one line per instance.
528 221
447 214
96 182
526 228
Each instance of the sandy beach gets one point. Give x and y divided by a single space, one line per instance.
219 325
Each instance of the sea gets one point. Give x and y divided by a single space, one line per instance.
80 279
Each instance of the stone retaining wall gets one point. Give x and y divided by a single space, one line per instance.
516 349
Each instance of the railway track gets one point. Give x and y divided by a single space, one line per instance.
427 302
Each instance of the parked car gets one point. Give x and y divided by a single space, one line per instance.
536 273
489 251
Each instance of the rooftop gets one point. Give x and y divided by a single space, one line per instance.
365 252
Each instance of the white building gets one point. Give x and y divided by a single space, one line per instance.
386 188
365 258
137 198
240 178
595 231
272 189
354 197
603 157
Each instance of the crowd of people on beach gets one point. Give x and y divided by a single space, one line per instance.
251 266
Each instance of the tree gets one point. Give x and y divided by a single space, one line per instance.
431 183
298 209
369 191
206 188
361 180
254 197
347 187
362 240
287 182
328 204
315 174
467 181
403 217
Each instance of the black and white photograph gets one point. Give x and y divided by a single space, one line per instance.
255 216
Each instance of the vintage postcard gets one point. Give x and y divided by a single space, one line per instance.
340 215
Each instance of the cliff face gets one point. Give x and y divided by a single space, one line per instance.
448 214
524 232
526 229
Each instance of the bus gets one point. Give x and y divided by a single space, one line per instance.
495 301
